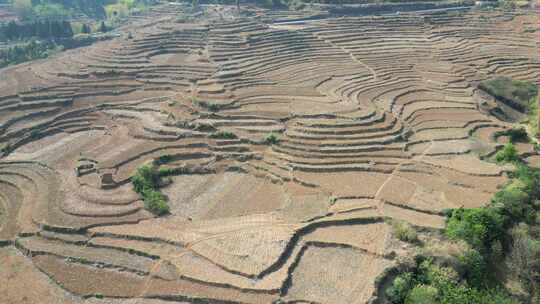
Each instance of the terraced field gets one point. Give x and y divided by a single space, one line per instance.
376 118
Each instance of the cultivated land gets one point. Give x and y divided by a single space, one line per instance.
376 118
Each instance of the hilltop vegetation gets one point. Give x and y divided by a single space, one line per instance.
96 9
48 26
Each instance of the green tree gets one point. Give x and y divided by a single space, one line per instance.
477 226
422 294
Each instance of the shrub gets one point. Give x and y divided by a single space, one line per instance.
146 182
210 106
401 286
271 139
422 294
155 202
478 226
430 283
517 134
223 135
475 266
147 177
404 232
507 154
517 200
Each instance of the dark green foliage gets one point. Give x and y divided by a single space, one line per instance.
515 134
516 205
476 268
507 154
433 284
223 135
146 182
45 29
517 200
25 52
155 202
210 106
479 227
271 139
401 286
58 9
34 133
147 176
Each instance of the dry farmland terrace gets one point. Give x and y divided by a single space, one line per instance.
375 117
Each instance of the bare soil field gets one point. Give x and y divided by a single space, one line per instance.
373 118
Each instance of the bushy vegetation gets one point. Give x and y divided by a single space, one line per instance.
404 231
223 135
271 139
505 233
59 9
27 51
507 154
46 29
146 182
433 284
479 227
37 9
518 134
512 223
534 116
210 106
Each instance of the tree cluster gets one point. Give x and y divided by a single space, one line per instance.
46 29
30 51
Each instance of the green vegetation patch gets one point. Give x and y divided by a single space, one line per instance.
404 231
223 135
503 244
430 283
271 139
146 182
507 154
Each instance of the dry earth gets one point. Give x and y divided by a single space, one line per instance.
378 118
